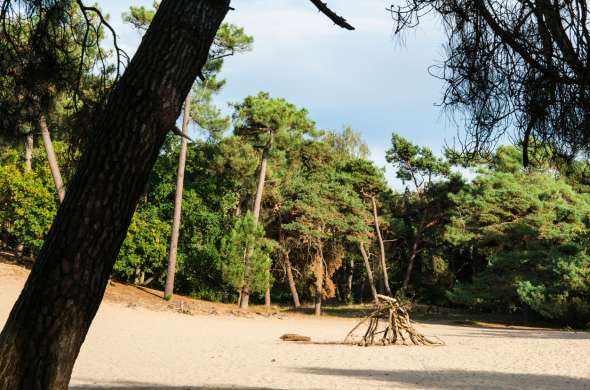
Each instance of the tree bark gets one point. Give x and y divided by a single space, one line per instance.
369 272
381 248
169 288
291 280
349 282
318 298
47 325
257 207
319 280
29 146
51 158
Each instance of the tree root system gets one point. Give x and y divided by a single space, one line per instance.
389 324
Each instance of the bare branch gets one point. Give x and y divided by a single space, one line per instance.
339 20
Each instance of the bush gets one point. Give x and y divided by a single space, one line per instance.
27 205
143 256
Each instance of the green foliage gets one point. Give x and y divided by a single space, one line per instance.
415 163
141 17
246 254
144 252
528 238
229 40
27 204
258 115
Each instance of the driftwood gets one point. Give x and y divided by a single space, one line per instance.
388 324
294 337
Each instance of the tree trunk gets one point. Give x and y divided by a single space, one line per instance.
47 325
169 288
411 263
369 272
319 280
245 298
291 280
381 248
245 292
258 204
349 282
51 158
318 298
262 177
29 146
257 207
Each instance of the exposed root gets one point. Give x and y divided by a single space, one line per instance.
389 324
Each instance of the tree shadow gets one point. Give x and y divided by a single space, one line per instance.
456 379
481 332
122 385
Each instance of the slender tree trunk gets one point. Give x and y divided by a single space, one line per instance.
29 146
410 268
381 248
319 281
349 282
369 272
245 292
51 158
318 298
47 326
169 289
257 207
291 280
262 178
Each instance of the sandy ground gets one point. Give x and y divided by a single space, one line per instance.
135 347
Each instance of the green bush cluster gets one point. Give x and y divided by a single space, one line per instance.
27 205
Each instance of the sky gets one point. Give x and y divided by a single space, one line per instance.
368 78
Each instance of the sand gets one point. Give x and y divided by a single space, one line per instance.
134 347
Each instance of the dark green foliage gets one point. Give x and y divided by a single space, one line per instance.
527 236
247 238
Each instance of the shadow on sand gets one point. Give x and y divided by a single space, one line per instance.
417 379
455 379
153 386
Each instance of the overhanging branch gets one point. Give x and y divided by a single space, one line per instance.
339 20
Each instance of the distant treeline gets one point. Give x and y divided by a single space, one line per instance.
509 240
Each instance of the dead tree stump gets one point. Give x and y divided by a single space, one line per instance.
389 324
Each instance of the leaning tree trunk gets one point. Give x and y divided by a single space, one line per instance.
51 158
169 287
381 248
369 272
291 281
47 326
257 206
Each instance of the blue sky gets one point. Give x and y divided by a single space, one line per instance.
366 78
